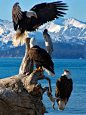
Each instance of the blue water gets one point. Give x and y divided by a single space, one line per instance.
77 101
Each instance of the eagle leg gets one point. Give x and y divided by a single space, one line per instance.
65 100
36 26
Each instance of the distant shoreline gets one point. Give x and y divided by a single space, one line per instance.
61 51
52 58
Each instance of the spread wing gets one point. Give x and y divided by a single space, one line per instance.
45 12
48 11
16 15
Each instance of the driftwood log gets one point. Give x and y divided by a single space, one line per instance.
26 66
48 42
22 95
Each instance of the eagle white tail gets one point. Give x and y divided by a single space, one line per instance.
19 38
49 72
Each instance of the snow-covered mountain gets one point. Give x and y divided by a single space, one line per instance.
6 33
67 30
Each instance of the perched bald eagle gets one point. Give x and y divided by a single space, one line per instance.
36 16
64 86
41 58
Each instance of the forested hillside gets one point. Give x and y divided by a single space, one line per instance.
61 51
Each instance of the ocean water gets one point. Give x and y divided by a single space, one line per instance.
77 101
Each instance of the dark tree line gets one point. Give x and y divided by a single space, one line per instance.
61 51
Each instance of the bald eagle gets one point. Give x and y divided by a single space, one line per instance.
36 16
41 58
64 86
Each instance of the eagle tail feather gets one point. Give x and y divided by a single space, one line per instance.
19 38
49 72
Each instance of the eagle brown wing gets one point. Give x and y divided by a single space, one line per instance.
16 15
48 11
41 58
45 12
64 88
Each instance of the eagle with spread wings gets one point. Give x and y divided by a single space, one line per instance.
35 17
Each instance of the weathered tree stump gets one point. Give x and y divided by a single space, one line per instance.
48 42
26 66
22 95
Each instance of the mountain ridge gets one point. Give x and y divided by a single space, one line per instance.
68 30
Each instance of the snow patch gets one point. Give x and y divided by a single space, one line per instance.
67 30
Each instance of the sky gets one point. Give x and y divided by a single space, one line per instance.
77 8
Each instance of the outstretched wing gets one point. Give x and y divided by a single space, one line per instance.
16 15
48 11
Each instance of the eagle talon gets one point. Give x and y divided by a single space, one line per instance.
36 26
65 100
38 69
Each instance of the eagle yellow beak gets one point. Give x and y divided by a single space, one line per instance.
35 16
65 70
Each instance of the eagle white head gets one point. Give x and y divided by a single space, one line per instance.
30 13
67 73
33 42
